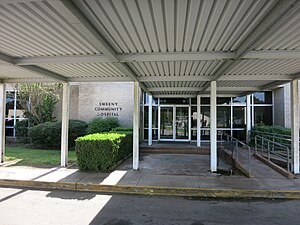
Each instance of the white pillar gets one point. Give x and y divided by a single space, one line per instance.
2 121
65 124
198 121
136 124
295 125
213 126
150 121
248 118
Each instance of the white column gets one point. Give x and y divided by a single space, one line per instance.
198 121
213 126
248 118
2 121
15 113
150 121
136 124
65 124
295 125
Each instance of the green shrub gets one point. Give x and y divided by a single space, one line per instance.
22 131
99 125
102 151
271 130
49 134
121 129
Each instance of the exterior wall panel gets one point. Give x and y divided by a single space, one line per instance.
106 100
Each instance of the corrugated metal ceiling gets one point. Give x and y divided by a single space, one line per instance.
37 29
176 25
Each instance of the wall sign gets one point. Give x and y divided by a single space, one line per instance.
108 109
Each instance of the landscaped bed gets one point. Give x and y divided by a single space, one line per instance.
103 151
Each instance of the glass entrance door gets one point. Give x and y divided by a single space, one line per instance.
174 123
167 123
182 123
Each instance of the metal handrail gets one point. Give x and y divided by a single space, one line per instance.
273 149
283 139
233 145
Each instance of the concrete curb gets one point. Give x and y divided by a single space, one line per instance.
154 190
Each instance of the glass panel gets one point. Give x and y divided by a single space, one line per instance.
146 134
9 132
205 135
240 135
184 101
10 96
194 116
146 116
154 117
263 97
182 122
263 115
205 116
9 122
194 101
239 99
205 101
194 135
219 133
166 120
239 117
146 99
223 117
154 134
223 101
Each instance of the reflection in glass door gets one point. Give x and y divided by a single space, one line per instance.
166 123
182 123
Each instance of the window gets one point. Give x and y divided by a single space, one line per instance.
263 97
14 113
223 116
263 115
205 116
239 113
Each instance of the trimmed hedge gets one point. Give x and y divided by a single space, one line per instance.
49 134
99 125
271 130
122 129
22 131
102 151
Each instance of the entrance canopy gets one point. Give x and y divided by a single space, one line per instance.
173 48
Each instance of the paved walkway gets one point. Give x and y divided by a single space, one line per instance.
168 174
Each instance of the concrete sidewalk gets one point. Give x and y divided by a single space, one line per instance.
156 178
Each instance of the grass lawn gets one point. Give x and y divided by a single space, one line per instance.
36 157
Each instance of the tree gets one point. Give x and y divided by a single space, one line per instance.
38 100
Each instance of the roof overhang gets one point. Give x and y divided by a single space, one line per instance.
173 48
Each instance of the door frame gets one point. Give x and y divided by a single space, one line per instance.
174 122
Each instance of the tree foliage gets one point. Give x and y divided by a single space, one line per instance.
38 100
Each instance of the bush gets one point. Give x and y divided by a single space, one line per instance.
100 152
99 125
22 131
49 134
121 129
272 130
